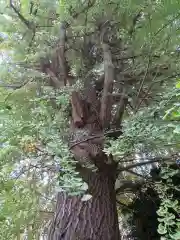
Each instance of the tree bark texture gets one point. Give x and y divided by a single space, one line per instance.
95 219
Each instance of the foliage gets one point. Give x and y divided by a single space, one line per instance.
162 132
168 188
34 134
43 141
19 204
148 122
169 208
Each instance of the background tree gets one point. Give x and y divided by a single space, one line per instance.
83 94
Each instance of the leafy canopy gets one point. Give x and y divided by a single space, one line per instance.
34 134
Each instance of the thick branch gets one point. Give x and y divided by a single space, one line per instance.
61 53
106 102
55 80
136 174
139 164
77 110
130 185
120 110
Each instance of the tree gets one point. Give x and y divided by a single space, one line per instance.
97 67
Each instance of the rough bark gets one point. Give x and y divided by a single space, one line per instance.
95 219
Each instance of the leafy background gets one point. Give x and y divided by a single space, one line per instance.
35 160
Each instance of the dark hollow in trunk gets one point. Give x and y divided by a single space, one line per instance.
95 219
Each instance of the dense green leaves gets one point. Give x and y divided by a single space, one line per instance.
169 208
168 190
34 118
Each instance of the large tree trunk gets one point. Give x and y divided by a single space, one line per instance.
95 219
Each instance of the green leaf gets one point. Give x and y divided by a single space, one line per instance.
86 197
162 229
178 85
175 236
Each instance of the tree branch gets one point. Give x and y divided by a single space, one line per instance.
116 57
136 174
33 37
87 7
143 80
120 110
130 185
56 82
139 164
106 102
147 92
21 17
61 53
122 204
78 115
134 22
166 25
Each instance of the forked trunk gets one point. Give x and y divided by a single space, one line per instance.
95 219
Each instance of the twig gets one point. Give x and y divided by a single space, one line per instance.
134 22
166 25
143 80
134 56
96 136
85 140
89 5
32 39
146 94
